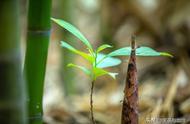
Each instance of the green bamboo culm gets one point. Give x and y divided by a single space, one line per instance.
12 90
67 8
38 34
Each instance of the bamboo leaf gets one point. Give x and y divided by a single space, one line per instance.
72 29
141 51
147 51
166 54
84 55
100 72
126 51
102 47
104 61
85 70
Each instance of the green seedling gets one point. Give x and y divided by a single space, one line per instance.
97 60
100 61
130 100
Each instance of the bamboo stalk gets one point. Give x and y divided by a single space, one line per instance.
12 95
106 26
67 74
130 107
36 55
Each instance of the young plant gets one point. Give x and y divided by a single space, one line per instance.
130 100
97 60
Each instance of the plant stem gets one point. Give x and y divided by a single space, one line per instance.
36 55
91 103
130 108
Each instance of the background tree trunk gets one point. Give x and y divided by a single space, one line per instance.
12 96
67 74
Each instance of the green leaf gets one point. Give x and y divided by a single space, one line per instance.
72 29
100 72
166 54
141 51
84 55
104 61
126 51
147 51
85 70
102 47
